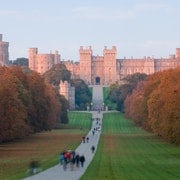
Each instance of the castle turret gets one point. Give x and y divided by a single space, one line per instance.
85 63
177 52
4 53
57 57
32 58
110 65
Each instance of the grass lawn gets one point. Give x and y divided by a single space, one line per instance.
107 102
43 147
128 152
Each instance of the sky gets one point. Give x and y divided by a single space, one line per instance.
136 27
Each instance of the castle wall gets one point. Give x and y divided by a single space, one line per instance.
109 69
42 62
104 69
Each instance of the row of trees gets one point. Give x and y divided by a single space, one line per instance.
118 93
27 104
155 104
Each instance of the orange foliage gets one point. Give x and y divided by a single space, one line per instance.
155 104
27 104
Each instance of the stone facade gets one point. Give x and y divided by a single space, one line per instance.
104 69
108 69
68 92
42 62
4 53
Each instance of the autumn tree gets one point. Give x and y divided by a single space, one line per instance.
154 104
13 112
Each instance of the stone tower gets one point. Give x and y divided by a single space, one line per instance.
85 64
177 52
68 92
110 74
32 58
4 53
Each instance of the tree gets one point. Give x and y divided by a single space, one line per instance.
118 93
83 95
21 62
57 73
154 104
13 112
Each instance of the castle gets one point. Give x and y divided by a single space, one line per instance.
102 70
4 53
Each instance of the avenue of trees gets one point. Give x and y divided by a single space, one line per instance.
155 104
118 93
27 104
152 102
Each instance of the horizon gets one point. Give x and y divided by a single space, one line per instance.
139 28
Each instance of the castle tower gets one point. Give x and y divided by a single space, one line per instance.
110 74
68 92
32 58
85 64
56 57
177 52
4 53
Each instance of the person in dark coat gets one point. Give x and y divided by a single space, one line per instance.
92 149
77 160
82 160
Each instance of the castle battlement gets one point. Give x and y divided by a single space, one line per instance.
105 69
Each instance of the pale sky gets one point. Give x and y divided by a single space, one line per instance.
136 27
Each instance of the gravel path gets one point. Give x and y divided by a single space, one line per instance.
57 172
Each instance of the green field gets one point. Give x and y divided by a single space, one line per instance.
43 147
127 152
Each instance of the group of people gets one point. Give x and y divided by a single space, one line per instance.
72 159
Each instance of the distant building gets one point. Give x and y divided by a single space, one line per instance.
68 92
42 62
106 69
4 53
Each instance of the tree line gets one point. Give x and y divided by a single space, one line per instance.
27 104
154 103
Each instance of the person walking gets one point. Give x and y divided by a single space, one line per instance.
93 149
77 160
82 160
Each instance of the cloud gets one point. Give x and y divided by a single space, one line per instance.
150 7
100 13
9 13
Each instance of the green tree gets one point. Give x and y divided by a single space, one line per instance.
83 95
57 73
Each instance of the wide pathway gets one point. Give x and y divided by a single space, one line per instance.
97 98
57 172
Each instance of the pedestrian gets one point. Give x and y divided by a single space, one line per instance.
87 139
82 160
61 158
83 138
93 149
77 160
